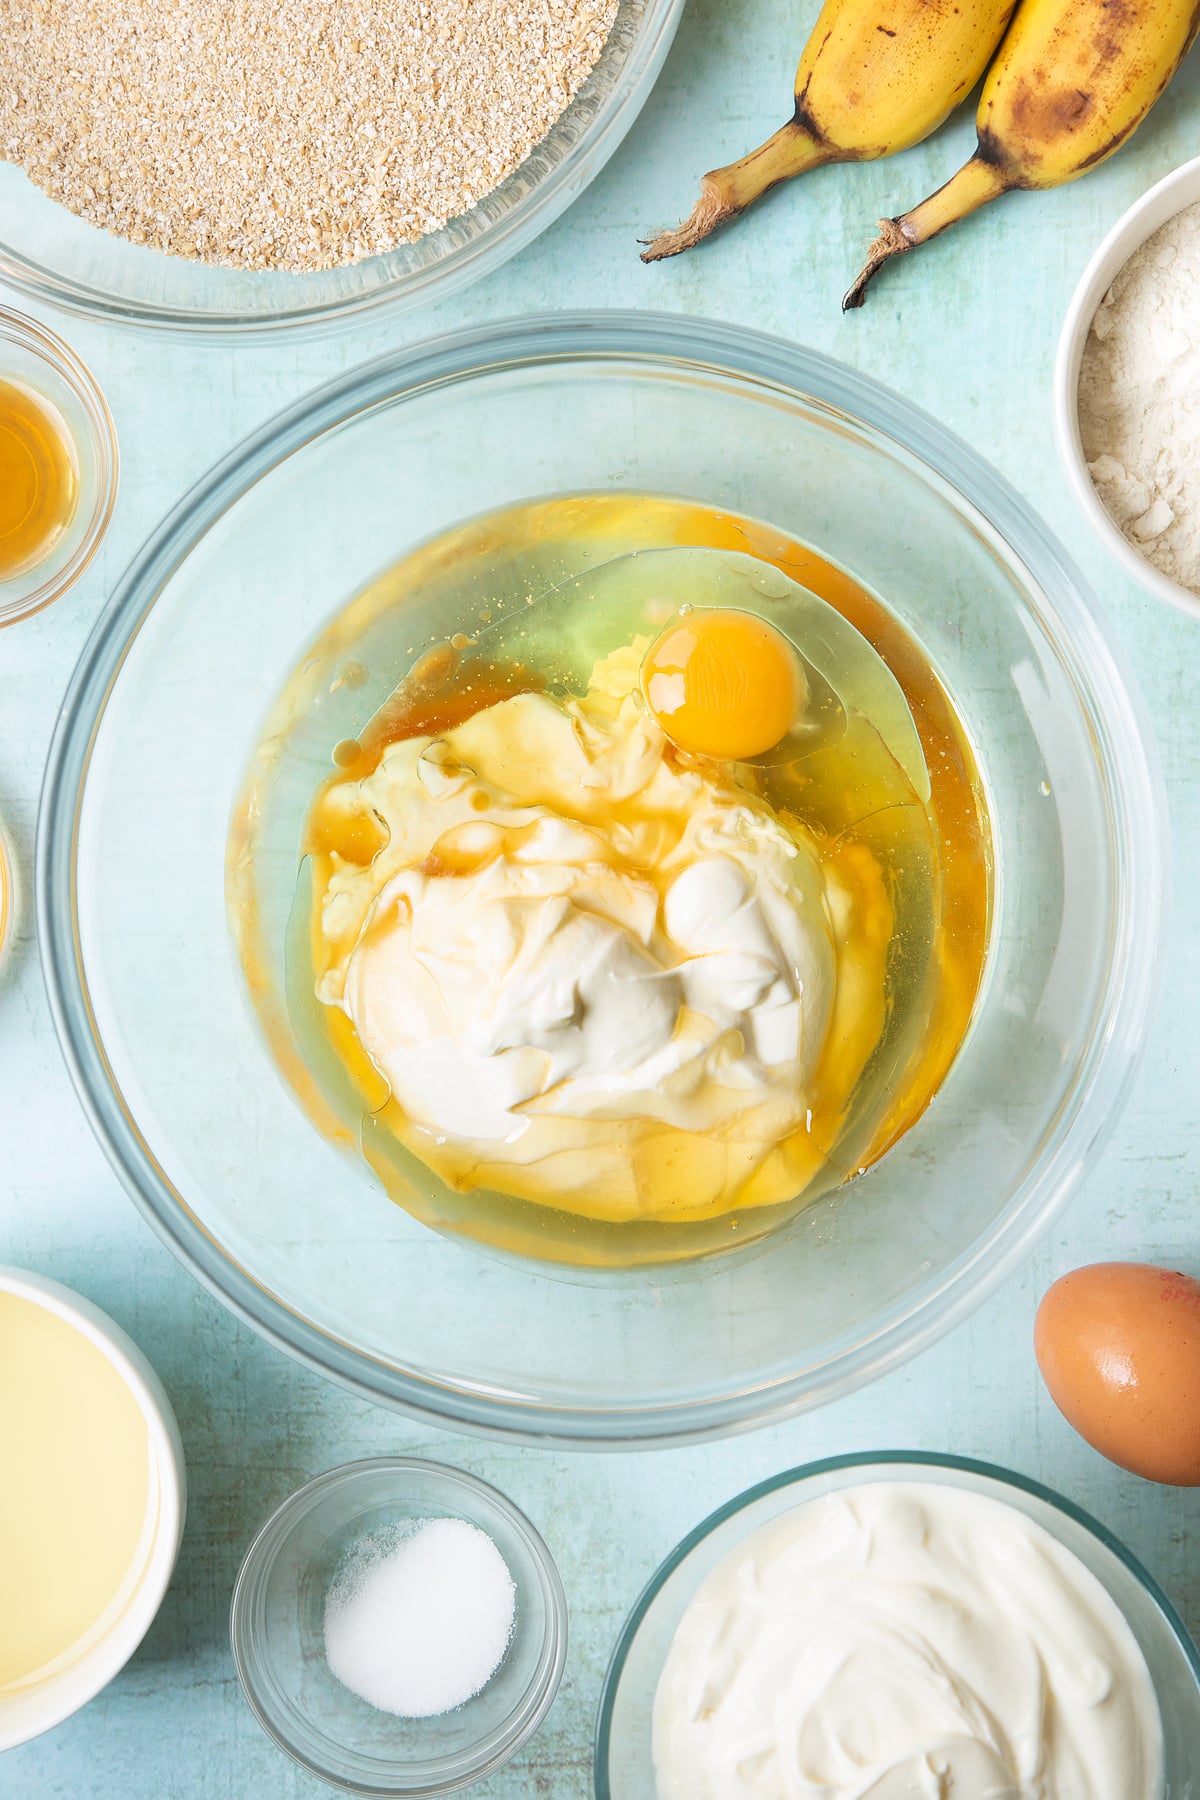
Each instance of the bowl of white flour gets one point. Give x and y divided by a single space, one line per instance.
1127 390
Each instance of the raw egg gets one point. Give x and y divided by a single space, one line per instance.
1118 1345
723 683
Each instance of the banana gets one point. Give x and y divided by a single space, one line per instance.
875 76
1072 80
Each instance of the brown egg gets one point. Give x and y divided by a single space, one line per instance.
1118 1345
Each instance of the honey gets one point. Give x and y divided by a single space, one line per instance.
39 482
899 821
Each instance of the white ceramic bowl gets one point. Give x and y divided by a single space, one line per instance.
24 1715
1169 196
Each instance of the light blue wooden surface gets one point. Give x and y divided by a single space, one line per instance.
967 328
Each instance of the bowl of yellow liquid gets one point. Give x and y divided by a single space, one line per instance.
412 656
8 897
91 1503
58 467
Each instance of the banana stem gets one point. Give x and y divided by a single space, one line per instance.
976 183
726 192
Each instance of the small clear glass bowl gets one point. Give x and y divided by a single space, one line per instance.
277 1629
34 357
624 1756
60 260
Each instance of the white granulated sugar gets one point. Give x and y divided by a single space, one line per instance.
1139 399
284 134
419 1620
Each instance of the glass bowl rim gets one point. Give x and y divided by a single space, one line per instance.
462 267
273 1533
1083 641
831 1465
9 897
50 349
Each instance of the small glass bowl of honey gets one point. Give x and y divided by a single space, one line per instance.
58 467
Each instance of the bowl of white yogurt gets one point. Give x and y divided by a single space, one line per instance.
900 1625
1125 383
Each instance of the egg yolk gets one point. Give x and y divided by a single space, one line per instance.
723 683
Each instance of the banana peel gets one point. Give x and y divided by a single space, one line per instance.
1071 82
875 77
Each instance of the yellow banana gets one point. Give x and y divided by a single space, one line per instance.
1072 80
875 77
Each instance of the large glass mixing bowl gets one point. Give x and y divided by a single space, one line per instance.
60 260
169 698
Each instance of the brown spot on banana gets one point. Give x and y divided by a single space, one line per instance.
1042 111
1105 150
802 93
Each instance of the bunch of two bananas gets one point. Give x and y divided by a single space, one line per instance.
1070 81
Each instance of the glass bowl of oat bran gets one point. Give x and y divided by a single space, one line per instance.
277 167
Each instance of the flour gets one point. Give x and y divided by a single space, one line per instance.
1139 399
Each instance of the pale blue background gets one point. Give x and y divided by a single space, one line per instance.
968 328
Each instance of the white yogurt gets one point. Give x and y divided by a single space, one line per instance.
905 1641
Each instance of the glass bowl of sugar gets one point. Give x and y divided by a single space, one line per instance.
399 1627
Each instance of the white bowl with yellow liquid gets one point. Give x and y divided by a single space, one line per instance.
167 706
91 1504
